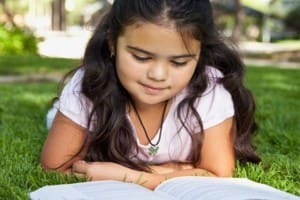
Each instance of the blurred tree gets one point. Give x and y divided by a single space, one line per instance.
58 16
262 19
292 19
16 40
262 6
281 8
238 20
15 37
75 11
94 12
7 12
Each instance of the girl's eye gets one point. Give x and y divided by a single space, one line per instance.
141 58
176 63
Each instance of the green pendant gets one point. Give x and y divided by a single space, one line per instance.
153 150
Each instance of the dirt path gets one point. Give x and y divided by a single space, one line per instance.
29 78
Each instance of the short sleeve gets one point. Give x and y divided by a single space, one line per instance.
215 105
72 103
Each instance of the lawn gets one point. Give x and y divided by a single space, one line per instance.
22 128
16 65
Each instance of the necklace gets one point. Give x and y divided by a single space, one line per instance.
154 147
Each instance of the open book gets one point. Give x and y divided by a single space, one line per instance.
181 188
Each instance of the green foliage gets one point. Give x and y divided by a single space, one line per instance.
292 19
16 40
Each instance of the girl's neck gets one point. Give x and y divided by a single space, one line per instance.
148 121
149 108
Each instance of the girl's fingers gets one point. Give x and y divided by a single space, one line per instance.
80 166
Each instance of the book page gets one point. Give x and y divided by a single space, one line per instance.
58 192
110 190
212 188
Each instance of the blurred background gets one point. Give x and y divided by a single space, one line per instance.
264 30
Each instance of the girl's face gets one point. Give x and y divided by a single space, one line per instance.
154 63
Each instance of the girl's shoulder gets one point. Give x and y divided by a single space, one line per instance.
72 103
73 82
77 77
215 103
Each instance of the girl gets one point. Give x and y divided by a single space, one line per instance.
159 95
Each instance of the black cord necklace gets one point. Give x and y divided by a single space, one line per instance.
154 147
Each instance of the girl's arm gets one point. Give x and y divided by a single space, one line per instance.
113 171
217 153
170 167
63 143
217 160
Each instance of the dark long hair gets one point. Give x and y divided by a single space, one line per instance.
111 138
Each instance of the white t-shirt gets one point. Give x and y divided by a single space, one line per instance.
214 106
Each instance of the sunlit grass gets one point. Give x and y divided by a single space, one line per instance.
277 93
30 64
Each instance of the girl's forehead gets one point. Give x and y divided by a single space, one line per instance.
153 36
142 26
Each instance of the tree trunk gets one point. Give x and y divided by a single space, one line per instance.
238 20
7 12
58 16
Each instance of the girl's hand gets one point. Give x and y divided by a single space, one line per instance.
113 171
100 170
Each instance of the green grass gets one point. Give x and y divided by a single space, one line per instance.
22 132
277 92
16 65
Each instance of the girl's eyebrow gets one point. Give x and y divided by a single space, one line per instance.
140 50
152 54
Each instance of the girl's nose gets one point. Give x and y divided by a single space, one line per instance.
158 72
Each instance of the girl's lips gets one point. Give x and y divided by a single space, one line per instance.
153 90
